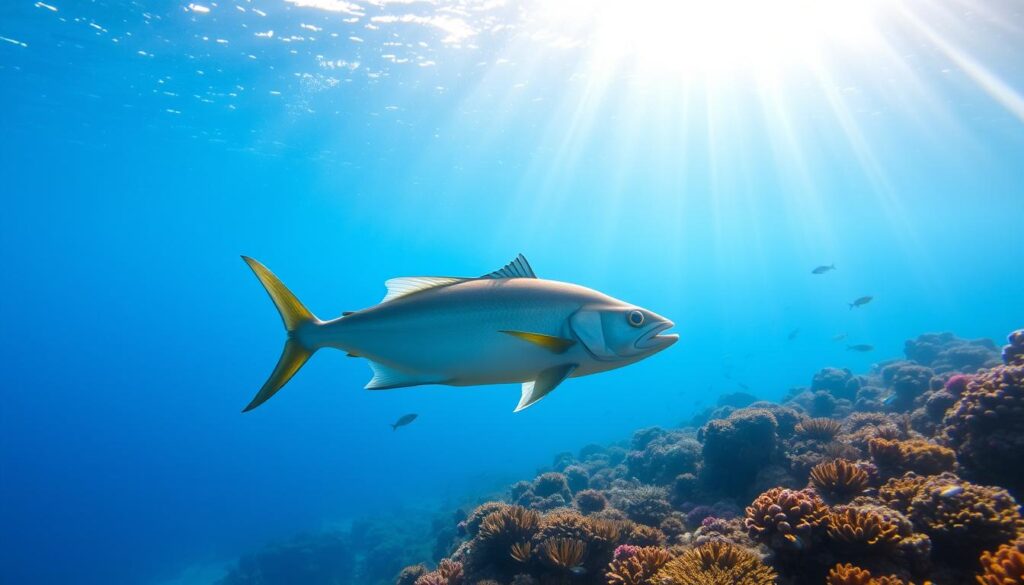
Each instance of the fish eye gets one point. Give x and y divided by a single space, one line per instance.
635 318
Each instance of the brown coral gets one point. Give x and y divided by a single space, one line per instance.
1005 566
716 563
839 480
895 457
852 575
448 573
986 427
819 429
961 516
863 528
563 553
499 532
521 551
780 516
637 568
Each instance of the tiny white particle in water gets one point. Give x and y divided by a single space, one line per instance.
272 92
355 39
267 35
14 42
222 41
199 8
258 11
170 111
46 6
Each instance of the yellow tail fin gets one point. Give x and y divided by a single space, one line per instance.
294 315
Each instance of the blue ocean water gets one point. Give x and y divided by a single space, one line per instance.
700 168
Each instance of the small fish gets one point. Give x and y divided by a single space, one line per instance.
889 399
793 334
860 347
742 385
951 491
507 326
860 302
578 570
839 337
823 269
406 419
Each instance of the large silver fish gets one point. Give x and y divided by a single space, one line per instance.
504 327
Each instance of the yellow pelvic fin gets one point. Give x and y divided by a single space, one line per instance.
548 342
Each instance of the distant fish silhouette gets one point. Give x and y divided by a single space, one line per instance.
406 419
860 347
823 269
742 385
860 302
793 334
839 337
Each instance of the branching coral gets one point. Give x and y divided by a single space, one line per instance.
839 480
563 553
851 575
986 427
664 457
448 573
863 528
716 563
499 532
1004 566
785 518
894 457
636 565
521 551
471 525
819 429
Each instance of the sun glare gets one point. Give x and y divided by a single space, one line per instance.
710 37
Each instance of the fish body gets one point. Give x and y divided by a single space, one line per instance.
860 347
860 302
823 269
403 420
839 337
793 334
505 327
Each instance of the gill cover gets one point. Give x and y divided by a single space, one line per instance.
588 326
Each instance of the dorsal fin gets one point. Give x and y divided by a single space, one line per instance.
517 268
406 285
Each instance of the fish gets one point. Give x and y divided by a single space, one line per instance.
839 337
404 420
951 491
860 347
793 334
823 269
742 385
860 302
505 327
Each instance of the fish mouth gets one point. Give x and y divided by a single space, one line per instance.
653 338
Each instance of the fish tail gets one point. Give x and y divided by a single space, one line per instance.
297 318
394 427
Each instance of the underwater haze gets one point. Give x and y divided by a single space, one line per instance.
696 158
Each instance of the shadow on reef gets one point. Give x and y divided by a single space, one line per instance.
906 474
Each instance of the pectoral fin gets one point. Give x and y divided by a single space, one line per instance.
548 342
546 381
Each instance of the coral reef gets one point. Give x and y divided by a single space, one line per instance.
986 425
903 474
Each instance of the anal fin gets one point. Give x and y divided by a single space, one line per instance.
386 377
546 381
551 343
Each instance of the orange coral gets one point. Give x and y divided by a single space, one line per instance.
521 551
1005 566
863 527
821 429
915 455
839 480
963 516
852 575
639 567
716 563
563 553
784 514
